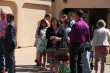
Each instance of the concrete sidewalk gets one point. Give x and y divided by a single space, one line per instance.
25 61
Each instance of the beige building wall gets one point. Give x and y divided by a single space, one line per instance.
27 13
60 5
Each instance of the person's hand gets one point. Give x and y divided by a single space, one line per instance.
52 37
54 41
58 39
39 36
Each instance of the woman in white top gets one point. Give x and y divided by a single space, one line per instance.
101 44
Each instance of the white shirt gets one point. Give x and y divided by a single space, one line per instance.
101 37
68 29
71 23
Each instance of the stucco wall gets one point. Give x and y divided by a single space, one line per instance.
60 5
31 14
27 13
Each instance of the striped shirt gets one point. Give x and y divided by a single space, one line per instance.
3 26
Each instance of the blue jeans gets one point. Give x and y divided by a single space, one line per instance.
2 55
86 63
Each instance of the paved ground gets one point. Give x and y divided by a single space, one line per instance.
25 61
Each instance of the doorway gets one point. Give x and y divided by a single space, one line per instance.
94 16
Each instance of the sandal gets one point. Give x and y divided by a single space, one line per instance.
45 68
40 68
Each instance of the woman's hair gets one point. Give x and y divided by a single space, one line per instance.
67 22
57 20
43 20
101 23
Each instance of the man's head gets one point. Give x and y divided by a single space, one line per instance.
10 17
78 14
3 14
72 17
48 17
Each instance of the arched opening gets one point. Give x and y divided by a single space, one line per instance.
91 15
10 7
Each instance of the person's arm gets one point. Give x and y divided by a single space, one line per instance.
35 43
109 36
72 33
88 35
48 35
94 40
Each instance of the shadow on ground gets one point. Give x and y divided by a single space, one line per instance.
26 68
29 69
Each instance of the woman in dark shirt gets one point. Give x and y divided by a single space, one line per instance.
54 34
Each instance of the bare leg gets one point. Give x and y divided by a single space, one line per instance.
96 61
37 58
96 66
102 67
57 68
103 61
44 58
40 59
51 67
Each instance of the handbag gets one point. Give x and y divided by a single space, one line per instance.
86 45
62 53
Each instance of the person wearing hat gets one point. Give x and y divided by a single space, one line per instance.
79 34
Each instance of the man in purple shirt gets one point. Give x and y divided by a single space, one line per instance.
78 35
3 26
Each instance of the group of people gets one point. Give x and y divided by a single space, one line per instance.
49 35
7 42
51 32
